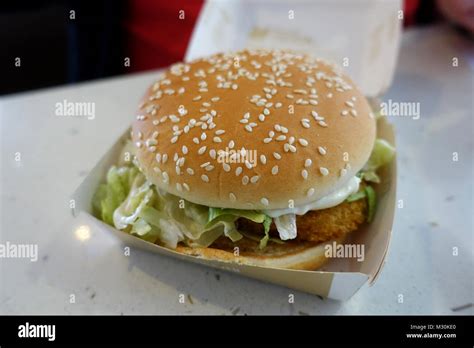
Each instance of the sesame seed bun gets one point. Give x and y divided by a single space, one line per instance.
306 127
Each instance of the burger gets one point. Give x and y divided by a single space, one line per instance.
260 157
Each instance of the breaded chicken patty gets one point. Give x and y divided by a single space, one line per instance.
320 225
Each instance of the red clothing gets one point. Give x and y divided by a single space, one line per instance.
156 36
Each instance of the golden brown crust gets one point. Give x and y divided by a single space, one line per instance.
200 106
320 225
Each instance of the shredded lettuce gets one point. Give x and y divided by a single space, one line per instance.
132 204
371 202
356 196
111 194
217 215
266 227
381 155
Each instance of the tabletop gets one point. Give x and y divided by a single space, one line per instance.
44 157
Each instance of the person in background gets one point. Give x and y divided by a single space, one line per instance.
80 40
156 36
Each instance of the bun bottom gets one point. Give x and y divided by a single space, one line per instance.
290 255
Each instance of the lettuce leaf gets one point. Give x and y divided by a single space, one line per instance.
381 155
220 214
111 194
371 202
266 226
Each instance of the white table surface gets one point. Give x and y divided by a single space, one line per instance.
57 153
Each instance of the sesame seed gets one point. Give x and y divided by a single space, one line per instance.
350 104
266 112
204 178
232 197
220 132
213 153
313 102
226 167
150 142
303 142
166 177
245 180
209 168
277 155
281 138
215 99
184 149
304 174
238 171
202 149
174 118
344 112
308 162
179 187
322 123
197 98
267 140
165 158
264 201
196 140
310 192
263 159
203 136
261 117
248 128
275 170
244 120
278 105
354 112
158 157
322 150
174 139
254 179
186 186
190 171
248 164
324 171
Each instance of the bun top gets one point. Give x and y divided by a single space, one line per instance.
253 130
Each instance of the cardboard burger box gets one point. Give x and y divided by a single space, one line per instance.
375 48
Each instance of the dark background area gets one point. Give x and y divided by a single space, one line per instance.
68 41
54 48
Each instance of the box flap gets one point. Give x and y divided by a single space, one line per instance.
362 36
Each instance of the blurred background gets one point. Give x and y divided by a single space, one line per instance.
59 42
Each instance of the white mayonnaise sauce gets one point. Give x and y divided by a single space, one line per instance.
331 200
